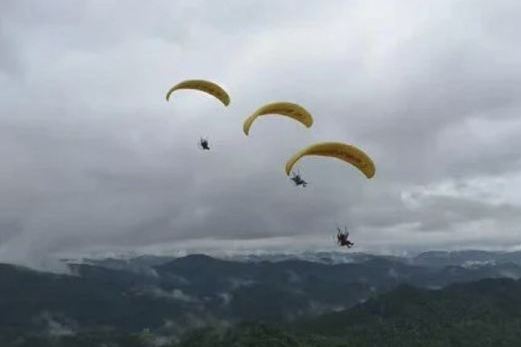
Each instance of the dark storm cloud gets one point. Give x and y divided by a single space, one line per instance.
94 158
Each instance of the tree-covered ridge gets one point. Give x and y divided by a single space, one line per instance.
297 302
484 313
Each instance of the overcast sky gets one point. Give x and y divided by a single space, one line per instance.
93 159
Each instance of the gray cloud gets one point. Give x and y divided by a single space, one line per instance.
94 158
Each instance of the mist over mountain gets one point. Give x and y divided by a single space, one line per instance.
428 258
170 296
482 313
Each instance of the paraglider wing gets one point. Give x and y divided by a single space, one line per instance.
287 109
342 151
204 86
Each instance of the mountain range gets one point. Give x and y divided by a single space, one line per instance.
166 296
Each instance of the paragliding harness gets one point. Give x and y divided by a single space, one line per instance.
203 144
298 180
342 238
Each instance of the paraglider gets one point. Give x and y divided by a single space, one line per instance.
204 86
342 151
297 179
342 238
287 109
203 144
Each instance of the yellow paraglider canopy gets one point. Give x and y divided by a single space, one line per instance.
204 86
342 151
287 109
